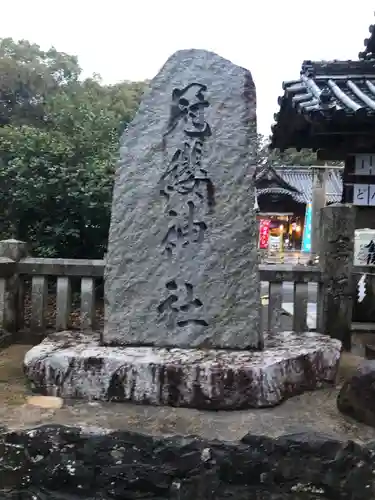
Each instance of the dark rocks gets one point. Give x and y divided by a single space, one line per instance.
357 396
74 365
319 462
53 462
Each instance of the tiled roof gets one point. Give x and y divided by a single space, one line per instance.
278 190
330 99
271 175
329 93
300 181
327 88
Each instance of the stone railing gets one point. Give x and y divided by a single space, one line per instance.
299 276
39 273
36 278
63 271
334 277
88 271
25 285
287 257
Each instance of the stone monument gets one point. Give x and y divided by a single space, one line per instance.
182 261
182 286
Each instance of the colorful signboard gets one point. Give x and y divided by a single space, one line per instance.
264 233
307 229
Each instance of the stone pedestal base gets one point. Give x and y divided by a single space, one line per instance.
75 365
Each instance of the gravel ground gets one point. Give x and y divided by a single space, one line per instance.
315 411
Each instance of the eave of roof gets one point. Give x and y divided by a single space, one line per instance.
343 87
269 173
331 98
277 190
336 94
300 181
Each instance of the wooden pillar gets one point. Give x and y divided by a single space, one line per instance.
336 261
347 179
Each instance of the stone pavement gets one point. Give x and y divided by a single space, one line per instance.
315 411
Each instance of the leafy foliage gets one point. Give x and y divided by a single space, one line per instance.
58 141
28 76
288 158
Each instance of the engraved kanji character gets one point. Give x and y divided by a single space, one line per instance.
370 253
185 175
188 105
190 232
181 305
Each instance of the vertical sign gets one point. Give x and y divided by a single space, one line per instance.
364 165
264 233
364 194
306 239
361 194
189 194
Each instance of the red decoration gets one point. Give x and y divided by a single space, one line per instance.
264 233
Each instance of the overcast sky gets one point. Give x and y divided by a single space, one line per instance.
131 39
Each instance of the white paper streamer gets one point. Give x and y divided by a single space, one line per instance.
361 288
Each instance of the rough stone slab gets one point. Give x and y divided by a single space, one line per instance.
70 364
204 291
336 257
357 396
52 462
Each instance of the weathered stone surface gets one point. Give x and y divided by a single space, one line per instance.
357 395
52 462
336 262
182 262
69 364
11 318
13 249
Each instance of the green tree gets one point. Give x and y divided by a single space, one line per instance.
28 76
58 158
291 157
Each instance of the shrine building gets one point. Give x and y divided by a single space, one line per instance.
283 193
330 109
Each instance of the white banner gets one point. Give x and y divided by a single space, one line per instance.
364 247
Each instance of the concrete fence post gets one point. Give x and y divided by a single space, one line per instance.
336 261
13 250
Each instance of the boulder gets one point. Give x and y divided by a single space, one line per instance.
182 260
76 365
357 396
